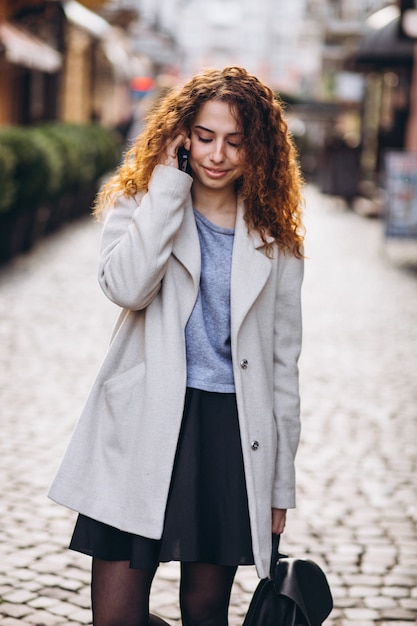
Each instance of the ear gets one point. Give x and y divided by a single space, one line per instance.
187 143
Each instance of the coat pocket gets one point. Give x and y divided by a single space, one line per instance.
124 398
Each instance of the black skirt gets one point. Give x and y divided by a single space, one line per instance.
207 517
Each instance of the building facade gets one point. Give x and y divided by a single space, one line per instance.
59 60
288 44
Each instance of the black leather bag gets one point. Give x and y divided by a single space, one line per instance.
295 594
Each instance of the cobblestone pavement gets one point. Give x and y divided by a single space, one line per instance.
357 496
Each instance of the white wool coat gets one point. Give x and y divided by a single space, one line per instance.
118 465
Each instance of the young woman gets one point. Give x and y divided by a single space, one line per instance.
185 450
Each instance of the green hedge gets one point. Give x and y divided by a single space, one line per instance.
42 163
7 181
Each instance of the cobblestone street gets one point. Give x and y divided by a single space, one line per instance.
357 462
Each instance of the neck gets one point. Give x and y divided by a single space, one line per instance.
218 207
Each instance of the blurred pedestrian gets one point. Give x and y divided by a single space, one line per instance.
185 449
340 167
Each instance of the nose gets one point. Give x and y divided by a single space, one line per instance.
217 154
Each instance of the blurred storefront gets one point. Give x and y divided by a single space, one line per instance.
59 60
31 62
385 58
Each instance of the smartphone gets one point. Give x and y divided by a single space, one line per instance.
183 155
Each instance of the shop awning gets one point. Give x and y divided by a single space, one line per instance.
85 19
23 48
113 41
381 44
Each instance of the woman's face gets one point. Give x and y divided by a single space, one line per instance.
216 155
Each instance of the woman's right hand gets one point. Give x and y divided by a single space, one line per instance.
170 154
279 517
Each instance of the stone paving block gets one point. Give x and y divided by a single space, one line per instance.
334 579
168 612
351 550
56 592
63 609
81 616
42 602
45 618
82 600
19 559
339 593
19 596
42 566
382 553
22 574
49 580
363 592
409 560
380 602
168 571
395 592
245 587
347 603
398 580
236 612
82 575
14 610
11 621
69 584
340 566
360 615
398 614
363 579
31 585
246 579
5 589
409 604
167 598
368 567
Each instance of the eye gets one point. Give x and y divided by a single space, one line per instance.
234 145
204 139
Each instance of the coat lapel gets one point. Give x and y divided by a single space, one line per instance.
250 270
250 266
186 247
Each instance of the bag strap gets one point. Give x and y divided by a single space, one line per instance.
276 555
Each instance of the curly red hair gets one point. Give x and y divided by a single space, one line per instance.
271 184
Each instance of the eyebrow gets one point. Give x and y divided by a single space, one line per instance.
212 131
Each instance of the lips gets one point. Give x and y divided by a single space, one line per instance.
215 173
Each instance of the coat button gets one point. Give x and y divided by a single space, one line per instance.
254 445
244 364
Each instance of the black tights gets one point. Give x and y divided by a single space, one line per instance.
120 594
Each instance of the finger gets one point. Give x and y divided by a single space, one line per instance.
182 140
278 520
172 146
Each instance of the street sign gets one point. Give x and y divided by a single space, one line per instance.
401 194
